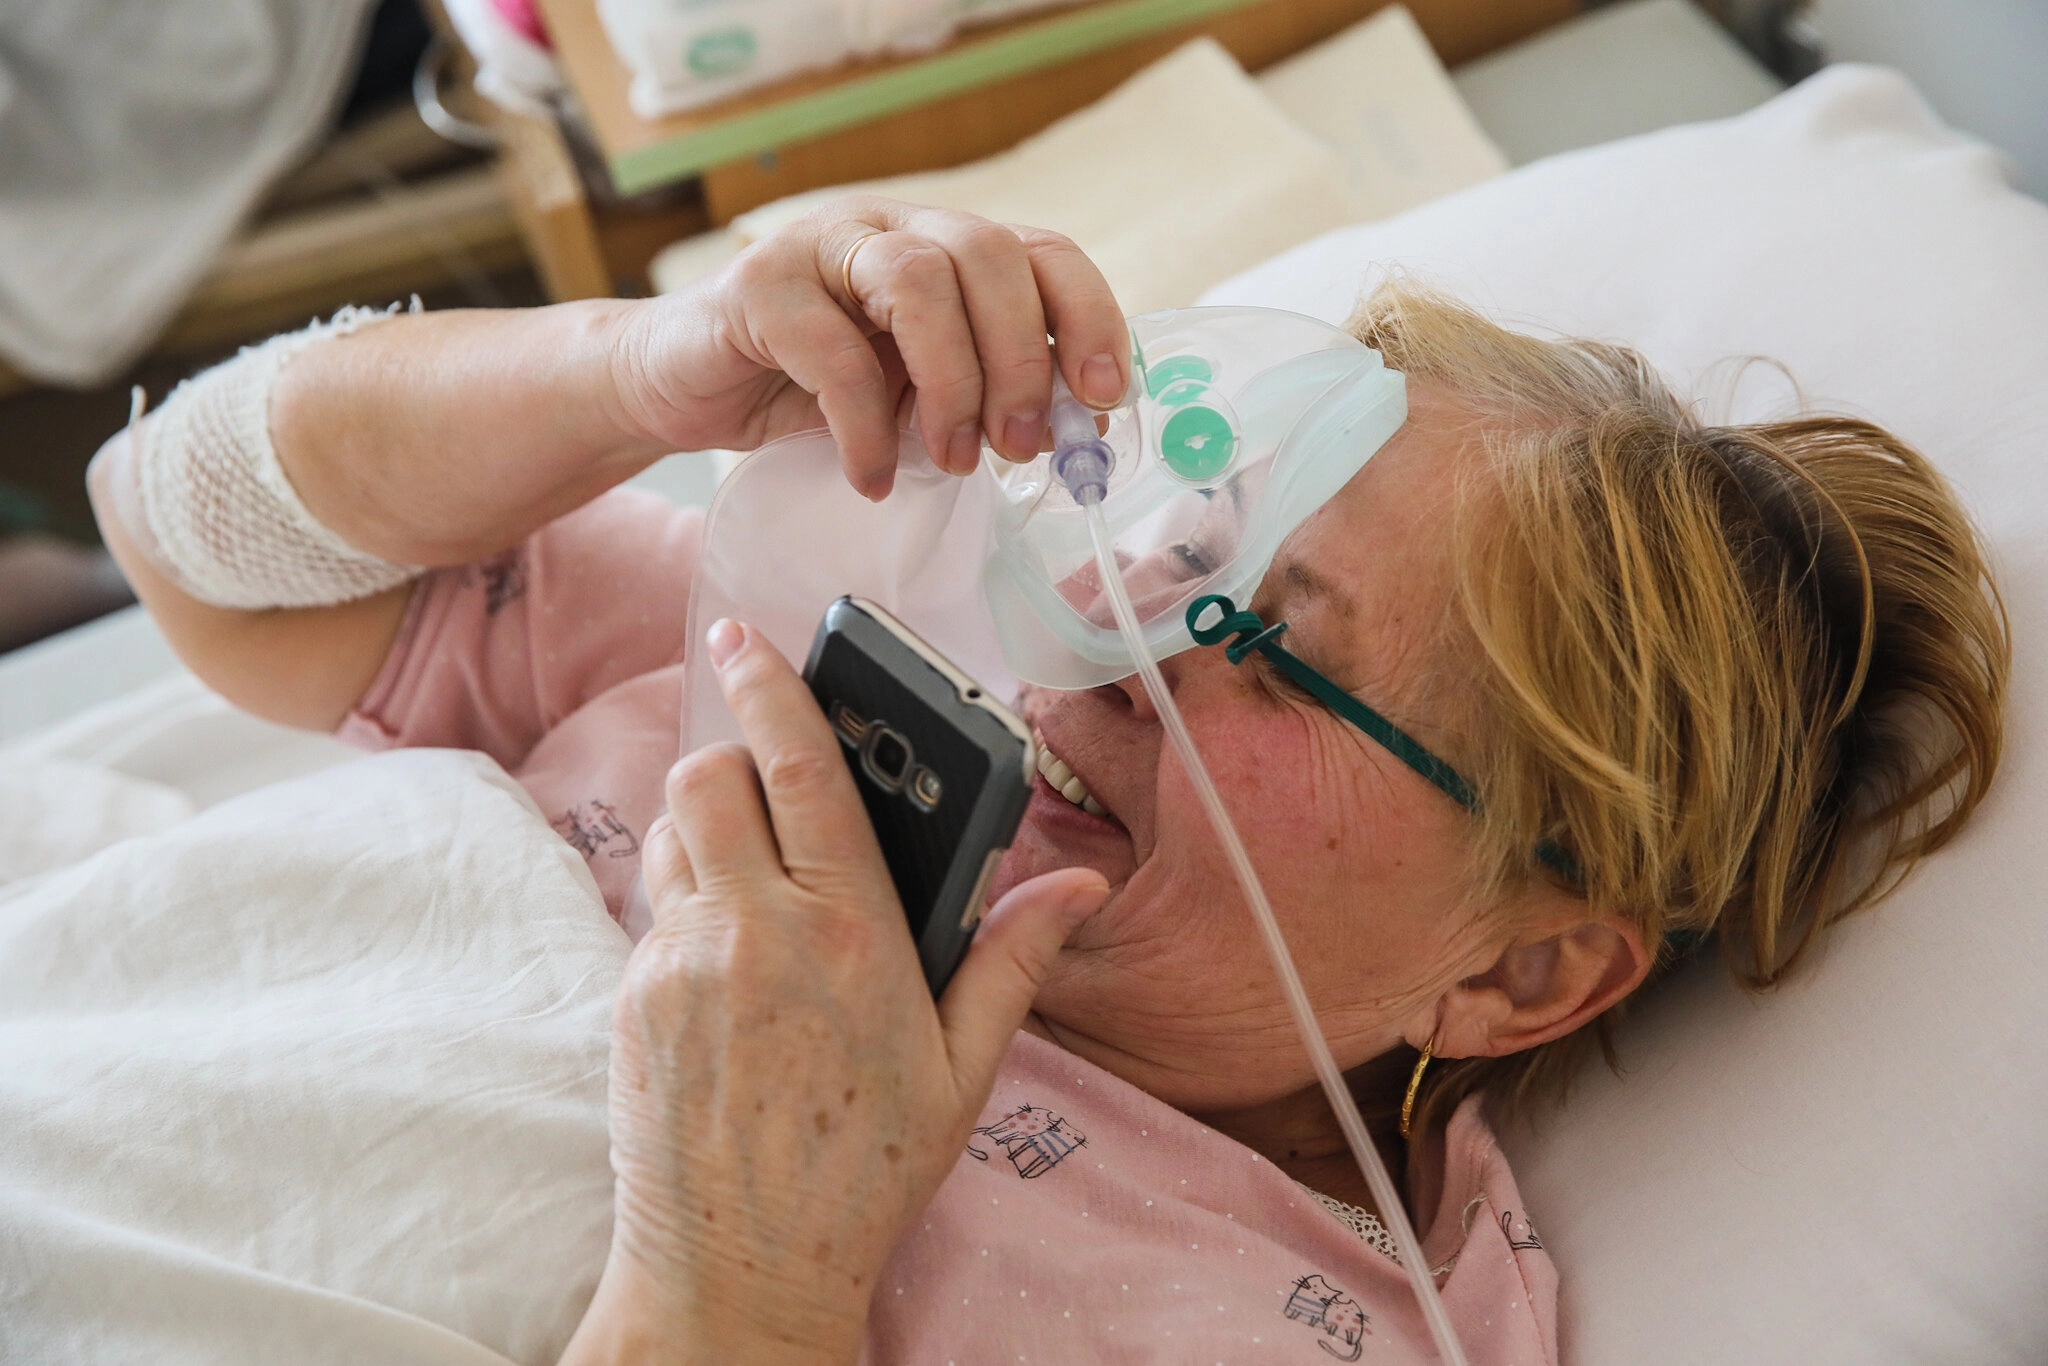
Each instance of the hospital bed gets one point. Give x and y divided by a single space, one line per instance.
1844 1170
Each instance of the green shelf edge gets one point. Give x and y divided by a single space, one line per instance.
946 73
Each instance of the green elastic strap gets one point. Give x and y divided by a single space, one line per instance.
1245 632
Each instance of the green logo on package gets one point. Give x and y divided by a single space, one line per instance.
722 52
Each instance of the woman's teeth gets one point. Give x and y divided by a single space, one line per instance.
1064 782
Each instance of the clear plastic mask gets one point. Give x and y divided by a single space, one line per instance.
1239 423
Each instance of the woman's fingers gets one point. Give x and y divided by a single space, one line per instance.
907 285
720 821
1012 953
964 305
1087 326
1000 294
665 865
820 826
793 324
971 318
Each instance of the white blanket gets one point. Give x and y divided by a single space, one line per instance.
319 1076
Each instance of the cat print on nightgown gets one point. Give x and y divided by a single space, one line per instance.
1319 1304
1034 1139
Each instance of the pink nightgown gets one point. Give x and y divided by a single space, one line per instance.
1086 1221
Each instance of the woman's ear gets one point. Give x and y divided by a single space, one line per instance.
1542 988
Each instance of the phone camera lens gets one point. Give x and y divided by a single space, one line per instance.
886 756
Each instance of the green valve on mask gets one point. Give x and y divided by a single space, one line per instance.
1197 443
1174 369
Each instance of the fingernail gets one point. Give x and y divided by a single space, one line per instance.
724 640
1102 384
964 449
1083 902
1021 434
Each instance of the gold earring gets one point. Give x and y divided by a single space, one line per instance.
1414 1085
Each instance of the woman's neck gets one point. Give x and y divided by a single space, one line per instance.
1299 1134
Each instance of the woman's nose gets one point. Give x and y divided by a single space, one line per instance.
1179 671
1153 582
1133 688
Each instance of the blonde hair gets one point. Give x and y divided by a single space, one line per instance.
1744 675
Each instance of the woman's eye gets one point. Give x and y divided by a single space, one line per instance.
1278 680
1190 559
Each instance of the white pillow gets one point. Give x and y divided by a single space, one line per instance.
1378 96
400 941
1162 181
1848 1169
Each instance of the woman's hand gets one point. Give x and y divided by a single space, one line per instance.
785 1098
946 309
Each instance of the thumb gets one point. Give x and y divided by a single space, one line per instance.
989 996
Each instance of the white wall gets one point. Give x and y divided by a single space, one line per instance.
1983 63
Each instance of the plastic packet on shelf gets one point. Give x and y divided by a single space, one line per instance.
687 53
693 53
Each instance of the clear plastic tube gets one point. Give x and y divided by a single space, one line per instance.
1088 492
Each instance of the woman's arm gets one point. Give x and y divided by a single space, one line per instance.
425 439
440 439
303 667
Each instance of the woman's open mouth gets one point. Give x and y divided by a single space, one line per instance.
1063 780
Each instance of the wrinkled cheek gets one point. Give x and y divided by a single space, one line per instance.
1171 935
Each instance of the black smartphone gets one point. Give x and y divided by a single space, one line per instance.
945 769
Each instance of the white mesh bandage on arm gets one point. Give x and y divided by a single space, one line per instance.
200 490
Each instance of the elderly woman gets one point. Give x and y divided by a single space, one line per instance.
1738 677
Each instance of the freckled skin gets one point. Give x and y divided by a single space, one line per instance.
1168 985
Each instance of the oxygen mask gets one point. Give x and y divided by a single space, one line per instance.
1238 424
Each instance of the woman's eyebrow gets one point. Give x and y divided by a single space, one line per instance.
1306 583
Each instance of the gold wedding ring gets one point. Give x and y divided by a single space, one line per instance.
846 264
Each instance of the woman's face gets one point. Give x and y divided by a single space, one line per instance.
1168 985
